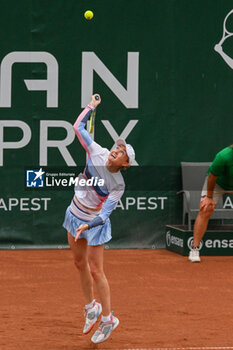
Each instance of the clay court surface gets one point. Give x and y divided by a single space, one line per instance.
161 299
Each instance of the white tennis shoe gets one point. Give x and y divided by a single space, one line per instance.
91 316
104 330
194 255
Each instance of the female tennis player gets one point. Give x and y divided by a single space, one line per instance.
87 221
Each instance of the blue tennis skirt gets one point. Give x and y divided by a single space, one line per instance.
95 236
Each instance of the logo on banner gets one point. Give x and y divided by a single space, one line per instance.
35 178
227 33
173 240
168 238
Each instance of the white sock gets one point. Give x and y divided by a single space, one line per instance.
106 318
89 306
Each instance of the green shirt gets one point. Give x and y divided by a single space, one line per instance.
222 166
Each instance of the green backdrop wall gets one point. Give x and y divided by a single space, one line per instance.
162 85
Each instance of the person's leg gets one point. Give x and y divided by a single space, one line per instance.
95 258
92 308
203 216
200 225
108 322
80 255
202 220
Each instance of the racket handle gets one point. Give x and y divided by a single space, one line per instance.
92 119
91 129
92 122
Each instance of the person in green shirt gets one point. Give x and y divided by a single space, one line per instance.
219 180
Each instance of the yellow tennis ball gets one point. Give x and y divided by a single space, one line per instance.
88 14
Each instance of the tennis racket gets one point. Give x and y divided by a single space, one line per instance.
92 119
226 32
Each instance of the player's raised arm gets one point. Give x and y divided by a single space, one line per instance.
79 125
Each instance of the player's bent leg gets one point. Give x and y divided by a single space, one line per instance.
92 309
108 322
80 256
200 227
95 258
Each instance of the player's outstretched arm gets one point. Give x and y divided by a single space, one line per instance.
79 125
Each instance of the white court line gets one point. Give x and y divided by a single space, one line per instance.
187 348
